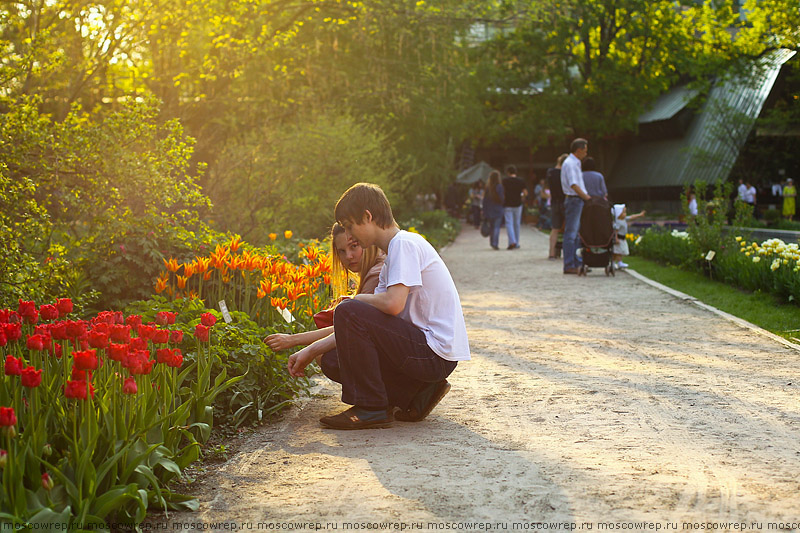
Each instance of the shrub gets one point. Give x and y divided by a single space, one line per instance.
439 228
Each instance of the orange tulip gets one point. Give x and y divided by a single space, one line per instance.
280 303
172 265
182 282
235 243
273 236
161 284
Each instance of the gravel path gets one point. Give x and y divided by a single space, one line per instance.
597 402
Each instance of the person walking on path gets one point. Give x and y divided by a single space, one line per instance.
789 195
594 180
574 195
396 347
493 207
515 193
556 204
476 202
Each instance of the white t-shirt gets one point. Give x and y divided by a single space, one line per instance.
433 304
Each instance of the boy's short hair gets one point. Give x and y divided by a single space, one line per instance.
359 199
511 169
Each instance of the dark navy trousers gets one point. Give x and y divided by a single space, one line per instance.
380 360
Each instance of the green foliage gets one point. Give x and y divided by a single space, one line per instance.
289 176
439 228
665 246
110 199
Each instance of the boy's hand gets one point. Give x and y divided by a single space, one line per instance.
298 362
279 341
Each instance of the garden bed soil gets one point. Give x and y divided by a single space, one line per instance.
588 400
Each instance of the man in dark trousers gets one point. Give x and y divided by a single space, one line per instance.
515 193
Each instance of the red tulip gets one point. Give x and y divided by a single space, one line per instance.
146 331
104 317
134 321
177 359
3 458
141 367
201 332
85 360
120 333
35 342
117 352
207 319
77 390
161 336
32 319
13 331
101 327
98 339
76 329
176 336
164 318
47 482
3 340
5 315
59 331
138 344
64 306
164 355
129 386
7 417
13 366
81 375
26 309
48 312
31 377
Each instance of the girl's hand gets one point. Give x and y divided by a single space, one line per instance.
280 341
298 362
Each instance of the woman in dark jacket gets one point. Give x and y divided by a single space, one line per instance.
493 206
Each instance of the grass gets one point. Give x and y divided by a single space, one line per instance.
761 309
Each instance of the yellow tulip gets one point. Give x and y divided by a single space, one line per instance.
287 234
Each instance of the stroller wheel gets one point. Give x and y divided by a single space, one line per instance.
608 270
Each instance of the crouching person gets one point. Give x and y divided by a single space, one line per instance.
395 347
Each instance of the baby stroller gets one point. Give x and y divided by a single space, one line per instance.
597 236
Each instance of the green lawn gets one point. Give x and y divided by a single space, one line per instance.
762 309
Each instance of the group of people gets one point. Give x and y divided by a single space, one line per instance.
393 343
573 181
783 193
500 202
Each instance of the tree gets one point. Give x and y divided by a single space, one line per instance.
591 67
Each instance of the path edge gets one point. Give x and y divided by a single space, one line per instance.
727 316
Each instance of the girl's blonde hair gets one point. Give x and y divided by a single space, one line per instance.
341 278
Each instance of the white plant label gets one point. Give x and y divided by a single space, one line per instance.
226 316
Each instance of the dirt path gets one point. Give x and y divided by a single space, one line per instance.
588 401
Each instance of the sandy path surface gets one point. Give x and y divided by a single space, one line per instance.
590 402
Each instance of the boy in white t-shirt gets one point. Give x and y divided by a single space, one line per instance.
397 346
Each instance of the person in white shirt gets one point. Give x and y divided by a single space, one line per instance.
574 195
742 191
396 347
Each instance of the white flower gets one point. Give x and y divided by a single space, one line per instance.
756 259
775 265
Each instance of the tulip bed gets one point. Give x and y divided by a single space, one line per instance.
771 266
97 416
